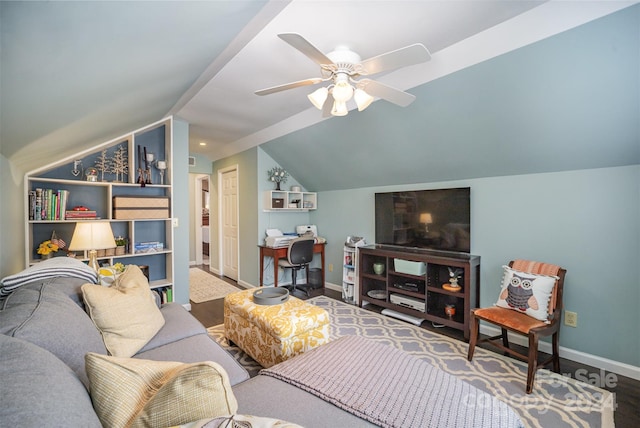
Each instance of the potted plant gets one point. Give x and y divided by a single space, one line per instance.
46 249
121 246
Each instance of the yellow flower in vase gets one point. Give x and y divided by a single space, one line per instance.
46 249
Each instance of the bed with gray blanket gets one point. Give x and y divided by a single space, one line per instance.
391 388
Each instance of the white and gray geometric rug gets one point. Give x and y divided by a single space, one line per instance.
556 401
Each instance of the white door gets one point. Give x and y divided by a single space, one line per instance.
229 218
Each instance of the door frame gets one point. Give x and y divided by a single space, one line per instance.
221 172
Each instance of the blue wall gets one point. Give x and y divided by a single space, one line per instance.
586 221
548 139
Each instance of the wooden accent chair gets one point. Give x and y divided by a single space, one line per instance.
521 323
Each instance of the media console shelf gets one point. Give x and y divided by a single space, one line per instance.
412 283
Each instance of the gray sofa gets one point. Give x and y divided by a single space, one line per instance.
46 334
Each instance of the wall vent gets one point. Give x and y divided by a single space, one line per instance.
192 161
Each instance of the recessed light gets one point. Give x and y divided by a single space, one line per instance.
203 143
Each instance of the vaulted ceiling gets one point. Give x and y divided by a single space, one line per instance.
76 73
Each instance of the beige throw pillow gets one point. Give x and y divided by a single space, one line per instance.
129 392
125 312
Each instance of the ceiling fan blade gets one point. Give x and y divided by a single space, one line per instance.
396 96
300 43
291 85
409 55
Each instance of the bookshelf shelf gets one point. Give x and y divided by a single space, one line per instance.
69 175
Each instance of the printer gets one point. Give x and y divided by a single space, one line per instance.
306 228
276 239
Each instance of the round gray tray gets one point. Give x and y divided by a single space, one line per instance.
271 296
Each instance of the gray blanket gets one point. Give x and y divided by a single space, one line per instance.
391 388
47 269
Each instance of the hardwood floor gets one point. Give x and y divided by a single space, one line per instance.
626 390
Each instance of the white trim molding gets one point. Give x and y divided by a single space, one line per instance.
617 367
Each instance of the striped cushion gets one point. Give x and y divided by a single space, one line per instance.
47 269
144 393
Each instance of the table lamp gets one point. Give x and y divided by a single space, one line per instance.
92 235
426 219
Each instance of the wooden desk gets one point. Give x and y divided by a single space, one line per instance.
281 253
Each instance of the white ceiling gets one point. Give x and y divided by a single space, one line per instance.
75 73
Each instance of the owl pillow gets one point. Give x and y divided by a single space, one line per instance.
527 293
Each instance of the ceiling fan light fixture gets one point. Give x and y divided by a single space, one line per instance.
339 108
318 97
362 99
342 90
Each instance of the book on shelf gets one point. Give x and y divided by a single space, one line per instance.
47 204
73 215
165 293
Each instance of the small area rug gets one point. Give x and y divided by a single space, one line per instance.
556 401
204 287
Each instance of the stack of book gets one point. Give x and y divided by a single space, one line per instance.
81 215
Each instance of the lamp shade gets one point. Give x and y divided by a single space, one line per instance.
339 108
318 97
92 235
426 218
342 90
363 100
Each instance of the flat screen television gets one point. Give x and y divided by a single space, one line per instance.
437 219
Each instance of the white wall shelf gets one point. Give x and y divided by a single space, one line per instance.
286 201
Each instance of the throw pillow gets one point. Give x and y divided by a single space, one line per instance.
125 313
247 421
134 392
527 293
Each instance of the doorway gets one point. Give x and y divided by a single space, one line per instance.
202 219
228 221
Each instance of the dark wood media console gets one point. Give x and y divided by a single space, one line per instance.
406 279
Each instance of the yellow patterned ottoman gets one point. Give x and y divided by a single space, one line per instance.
272 334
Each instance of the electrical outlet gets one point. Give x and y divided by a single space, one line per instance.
330 267
571 318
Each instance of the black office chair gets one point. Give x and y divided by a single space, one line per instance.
299 255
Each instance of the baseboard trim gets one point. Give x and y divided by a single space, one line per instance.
617 367
245 284
334 287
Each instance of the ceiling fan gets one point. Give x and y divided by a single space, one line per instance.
344 69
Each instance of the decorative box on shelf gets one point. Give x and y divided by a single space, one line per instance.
148 247
277 203
141 207
409 267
